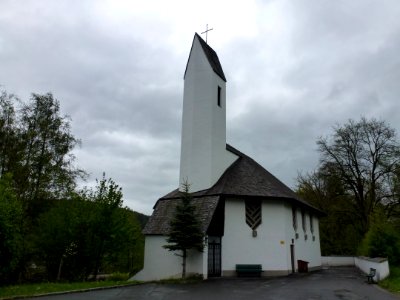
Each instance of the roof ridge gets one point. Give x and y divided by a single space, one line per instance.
233 150
211 55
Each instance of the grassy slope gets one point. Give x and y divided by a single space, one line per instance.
44 288
392 283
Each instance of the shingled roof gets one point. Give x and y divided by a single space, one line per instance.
245 178
164 211
212 58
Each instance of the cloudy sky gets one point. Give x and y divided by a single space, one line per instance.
294 69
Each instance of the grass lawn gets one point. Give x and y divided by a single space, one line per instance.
44 288
392 283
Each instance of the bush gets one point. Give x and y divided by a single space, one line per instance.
118 277
11 240
382 240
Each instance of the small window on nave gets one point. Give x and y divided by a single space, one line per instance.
303 220
294 217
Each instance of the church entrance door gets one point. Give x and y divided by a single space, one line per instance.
214 257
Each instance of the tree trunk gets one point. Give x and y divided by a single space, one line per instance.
98 259
60 267
184 264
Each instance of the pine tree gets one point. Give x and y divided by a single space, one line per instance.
186 232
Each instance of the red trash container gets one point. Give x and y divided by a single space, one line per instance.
302 266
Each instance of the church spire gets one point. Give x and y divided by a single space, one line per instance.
211 55
203 150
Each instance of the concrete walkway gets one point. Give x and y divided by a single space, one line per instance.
334 283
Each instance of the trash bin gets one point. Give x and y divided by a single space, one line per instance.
302 266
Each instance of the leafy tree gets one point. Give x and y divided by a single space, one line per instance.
364 156
185 232
11 217
90 232
43 219
47 170
10 143
382 240
325 192
107 198
126 251
61 239
358 176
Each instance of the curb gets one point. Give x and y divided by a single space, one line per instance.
71 292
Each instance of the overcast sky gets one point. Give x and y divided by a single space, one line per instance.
294 69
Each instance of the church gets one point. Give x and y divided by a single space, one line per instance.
248 216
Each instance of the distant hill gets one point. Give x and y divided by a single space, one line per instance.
141 218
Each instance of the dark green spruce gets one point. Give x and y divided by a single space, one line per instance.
185 229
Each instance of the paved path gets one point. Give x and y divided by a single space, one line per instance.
338 284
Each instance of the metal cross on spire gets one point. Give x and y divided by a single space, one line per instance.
206 32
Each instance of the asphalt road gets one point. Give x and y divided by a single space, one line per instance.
338 283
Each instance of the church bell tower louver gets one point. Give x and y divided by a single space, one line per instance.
204 157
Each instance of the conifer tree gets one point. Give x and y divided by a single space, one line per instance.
185 229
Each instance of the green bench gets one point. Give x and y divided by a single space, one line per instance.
371 275
249 270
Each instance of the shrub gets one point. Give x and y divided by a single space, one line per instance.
382 240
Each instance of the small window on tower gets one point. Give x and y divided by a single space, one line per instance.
219 96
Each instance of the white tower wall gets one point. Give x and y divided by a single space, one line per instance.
204 157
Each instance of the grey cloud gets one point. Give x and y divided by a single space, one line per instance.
121 82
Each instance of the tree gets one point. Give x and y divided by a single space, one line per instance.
36 146
126 251
107 199
364 156
325 191
11 216
10 143
90 232
59 239
46 169
185 229
382 239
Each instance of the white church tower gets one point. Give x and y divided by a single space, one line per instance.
204 157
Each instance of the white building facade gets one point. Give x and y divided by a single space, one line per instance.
248 216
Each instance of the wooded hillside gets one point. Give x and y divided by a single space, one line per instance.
50 229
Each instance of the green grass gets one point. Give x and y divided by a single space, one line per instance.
44 288
392 283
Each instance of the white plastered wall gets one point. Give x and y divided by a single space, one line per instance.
267 248
159 263
203 149
306 249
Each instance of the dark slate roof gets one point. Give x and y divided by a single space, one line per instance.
164 211
211 56
245 178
